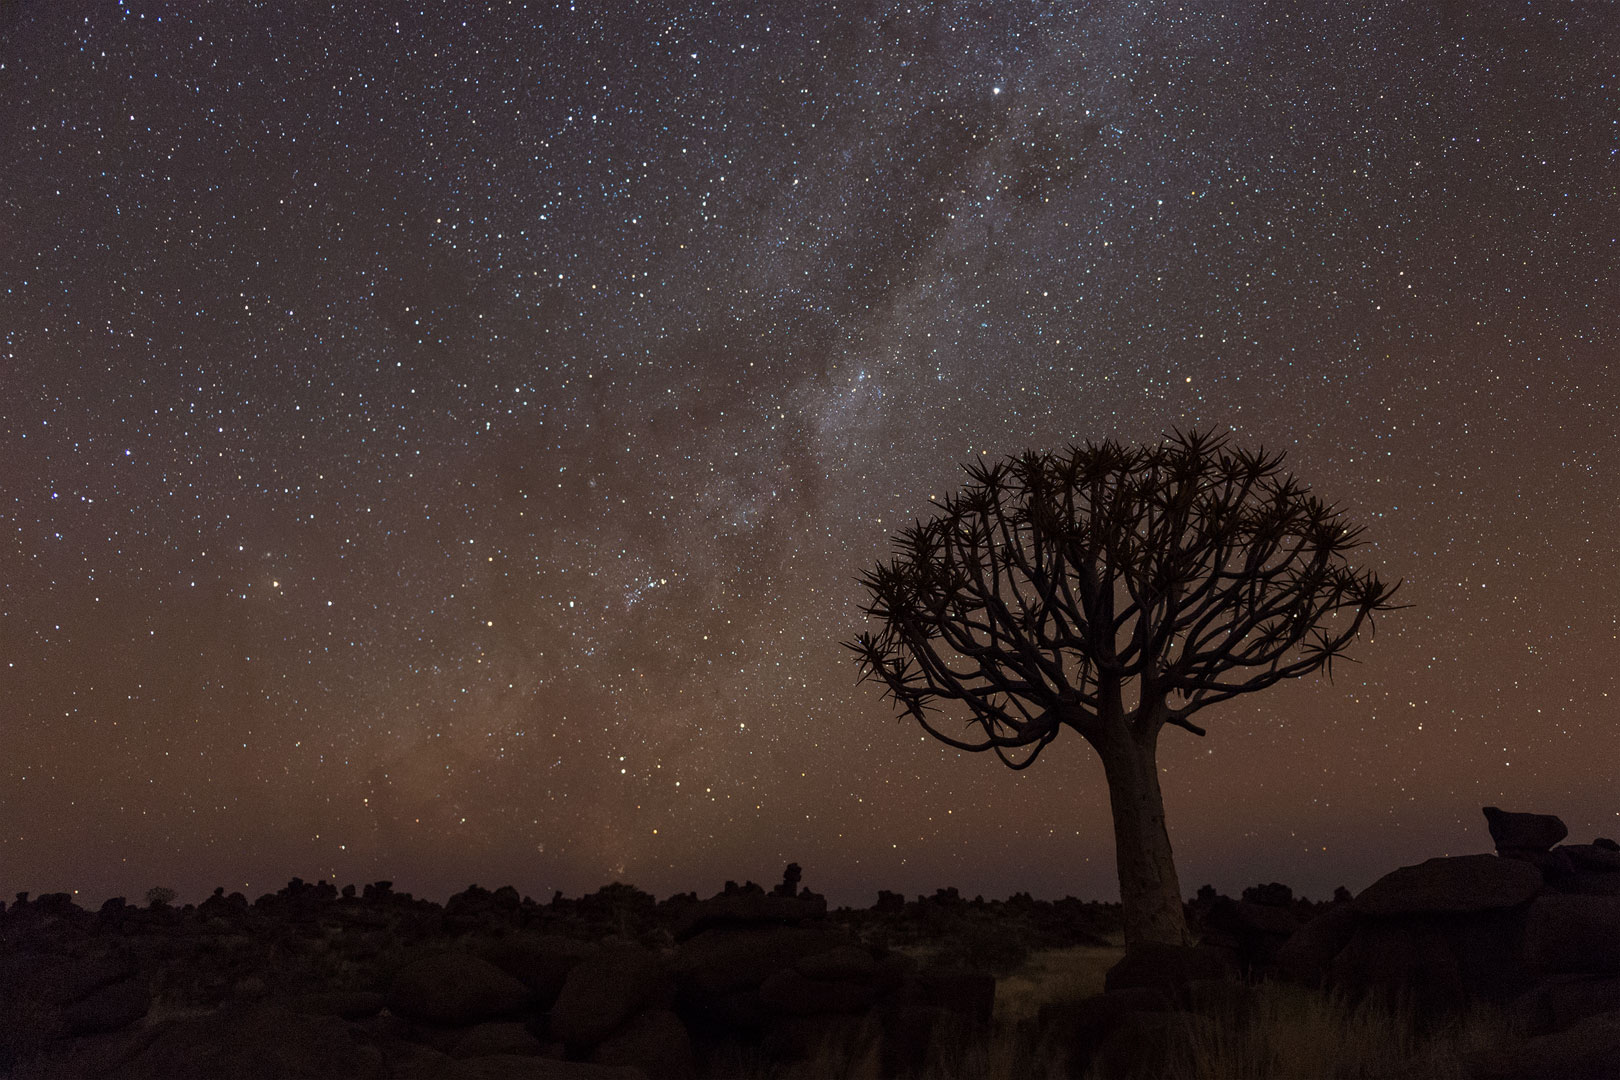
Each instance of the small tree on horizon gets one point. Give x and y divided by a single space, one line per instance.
1114 590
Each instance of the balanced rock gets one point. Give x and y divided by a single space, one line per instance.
1451 885
455 988
1529 832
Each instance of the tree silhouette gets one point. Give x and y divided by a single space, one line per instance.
1114 590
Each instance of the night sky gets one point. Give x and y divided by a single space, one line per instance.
442 446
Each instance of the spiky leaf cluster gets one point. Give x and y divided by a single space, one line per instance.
1107 583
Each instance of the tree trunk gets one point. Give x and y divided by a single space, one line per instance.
1148 889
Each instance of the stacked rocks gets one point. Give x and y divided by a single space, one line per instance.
1535 928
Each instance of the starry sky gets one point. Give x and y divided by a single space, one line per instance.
440 445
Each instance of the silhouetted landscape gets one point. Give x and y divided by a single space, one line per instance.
1495 966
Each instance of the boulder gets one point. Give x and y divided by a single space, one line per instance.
455 988
732 958
747 909
1443 961
844 962
1553 865
1587 1051
1152 1044
519 1067
799 995
604 991
1253 932
539 961
1591 857
497 1037
254 1043
1533 832
1588 884
1451 885
827 1037
110 1008
1307 956
654 1041
1166 967
969 997
1564 933
1561 1001
348 1004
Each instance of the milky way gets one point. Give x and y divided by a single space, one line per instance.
441 447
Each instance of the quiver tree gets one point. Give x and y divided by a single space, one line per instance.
1113 591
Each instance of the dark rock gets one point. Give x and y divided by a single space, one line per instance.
1307 956
1588 884
747 908
827 1037
1272 894
1552 864
348 1004
257 1043
789 992
1573 934
654 1041
602 992
455 988
724 959
908 1034
1166 967
1442 961
1534 831
1079 1028
1254 932
968 996
1590 1050
496 1037
519 1067
725 1012
1560 1001
111 1008
539 961
1607 844
1144 1044
1451 885
844 962
1591 857
790 881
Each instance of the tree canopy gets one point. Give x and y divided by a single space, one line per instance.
1057 588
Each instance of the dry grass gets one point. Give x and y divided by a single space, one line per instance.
1272 1031
1287 1032
1051 975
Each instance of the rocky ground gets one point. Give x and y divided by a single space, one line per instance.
311 982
